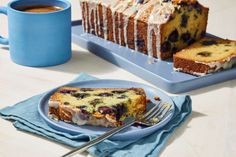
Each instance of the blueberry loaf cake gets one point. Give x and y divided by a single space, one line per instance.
157 28
96 106
206 56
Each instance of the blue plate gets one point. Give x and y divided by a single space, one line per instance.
160 73
130 133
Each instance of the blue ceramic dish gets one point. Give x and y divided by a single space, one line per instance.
130 133
161 73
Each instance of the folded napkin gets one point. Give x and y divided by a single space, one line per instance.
26 117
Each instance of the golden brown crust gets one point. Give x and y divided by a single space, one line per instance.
206 56
54 111
130 33
184 1
189 66
110 25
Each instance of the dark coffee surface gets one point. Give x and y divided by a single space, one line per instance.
39 8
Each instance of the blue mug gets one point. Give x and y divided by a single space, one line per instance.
38 39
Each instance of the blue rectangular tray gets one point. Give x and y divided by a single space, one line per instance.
160 73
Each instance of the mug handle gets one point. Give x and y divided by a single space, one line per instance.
3 41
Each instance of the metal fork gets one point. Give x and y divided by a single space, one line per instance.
152 117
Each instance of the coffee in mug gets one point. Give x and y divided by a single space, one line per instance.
39 8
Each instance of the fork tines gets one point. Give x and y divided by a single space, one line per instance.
157 113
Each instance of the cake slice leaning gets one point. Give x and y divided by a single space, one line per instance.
206 56
106 107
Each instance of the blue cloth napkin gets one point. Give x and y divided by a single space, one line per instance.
27 118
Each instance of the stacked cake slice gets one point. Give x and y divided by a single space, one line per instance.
206 56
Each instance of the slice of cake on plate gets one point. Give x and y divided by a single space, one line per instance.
157 28
206 56
96 106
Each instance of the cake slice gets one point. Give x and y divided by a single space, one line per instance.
96 106
206 56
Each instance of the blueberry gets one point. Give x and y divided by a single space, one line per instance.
118 91
190 8
140 43
165 1
84 114
86 89
203 33
120 109
208 42
186 36
105 94
183 4
80 95
191 41
95 101
165 47
139 1
137 91
166 15
67 91
174 49
184 20
198 8
66 103
81 106
173 37
204 54
92 31
105 110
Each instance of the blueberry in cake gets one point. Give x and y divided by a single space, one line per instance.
157 28
96 106
206 56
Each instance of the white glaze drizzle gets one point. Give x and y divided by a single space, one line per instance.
120 7
104 12
98 21
125 19
119 29
95 19
152 28
91 9
141 9
83 21
155 19
105 4
127 13
119 19
86 18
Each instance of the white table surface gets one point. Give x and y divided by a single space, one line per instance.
210 131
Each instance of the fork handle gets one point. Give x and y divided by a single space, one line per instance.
106 135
